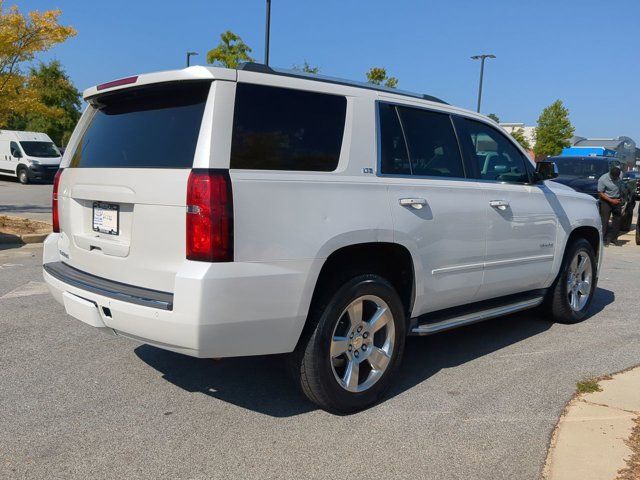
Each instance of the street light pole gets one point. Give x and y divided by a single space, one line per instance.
189 55
266 33
482 58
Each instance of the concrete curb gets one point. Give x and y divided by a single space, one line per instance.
590 440
11 239
25 238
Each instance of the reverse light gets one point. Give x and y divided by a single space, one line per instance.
55 213
209 216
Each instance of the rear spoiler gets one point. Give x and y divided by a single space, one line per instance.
190 73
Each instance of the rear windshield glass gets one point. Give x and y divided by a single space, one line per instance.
581 167
40 149
282 129
153 127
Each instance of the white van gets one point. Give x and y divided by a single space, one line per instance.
220 213
28 156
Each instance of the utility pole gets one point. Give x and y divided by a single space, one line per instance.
189 55
482 58
266 33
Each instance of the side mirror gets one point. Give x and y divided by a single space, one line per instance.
546 171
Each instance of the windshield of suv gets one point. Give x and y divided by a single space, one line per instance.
40 149
581 167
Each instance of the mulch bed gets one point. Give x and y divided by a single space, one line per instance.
21 226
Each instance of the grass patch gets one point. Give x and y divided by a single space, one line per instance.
588 386
632 470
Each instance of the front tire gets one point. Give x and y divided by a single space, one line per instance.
349 358
23 176
571 295
626 221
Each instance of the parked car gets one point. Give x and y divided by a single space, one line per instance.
220 213
634 176
582 174
28 156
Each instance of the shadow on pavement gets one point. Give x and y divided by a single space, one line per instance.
24 209
261 384
9 240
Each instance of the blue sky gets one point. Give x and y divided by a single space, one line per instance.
585 52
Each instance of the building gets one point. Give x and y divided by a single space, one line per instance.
623 148
529 132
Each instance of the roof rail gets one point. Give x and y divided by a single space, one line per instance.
262 68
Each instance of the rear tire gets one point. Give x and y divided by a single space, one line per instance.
571 295
626 221
23 176
347 361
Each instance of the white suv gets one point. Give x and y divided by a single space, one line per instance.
219 213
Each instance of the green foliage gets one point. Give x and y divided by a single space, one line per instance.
22 38
554 130
518 135
307 68
230 52
54 90
588 386
378 76
494 117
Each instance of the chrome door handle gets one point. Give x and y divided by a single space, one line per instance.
416 203
499 204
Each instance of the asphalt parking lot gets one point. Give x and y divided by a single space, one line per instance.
31 201
477 403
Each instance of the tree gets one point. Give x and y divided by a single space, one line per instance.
554 130
518 135
230 52
378 76
494 117
21 38
307 68
55 90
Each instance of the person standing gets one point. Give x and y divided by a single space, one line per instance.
610 204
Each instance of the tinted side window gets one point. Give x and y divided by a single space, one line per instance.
492 154
15 150
283 129
393 150
432 142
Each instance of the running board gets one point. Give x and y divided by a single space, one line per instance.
474 317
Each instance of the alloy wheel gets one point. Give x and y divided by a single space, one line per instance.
362 343
579 280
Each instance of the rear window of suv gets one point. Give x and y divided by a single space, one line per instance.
147 127
283 129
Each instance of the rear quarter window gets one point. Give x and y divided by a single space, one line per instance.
283 129
147 127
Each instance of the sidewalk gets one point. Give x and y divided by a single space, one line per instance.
598 436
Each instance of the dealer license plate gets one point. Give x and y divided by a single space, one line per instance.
106 217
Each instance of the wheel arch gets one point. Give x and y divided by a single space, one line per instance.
590 234
391 261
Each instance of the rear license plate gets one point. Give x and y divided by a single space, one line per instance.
106 217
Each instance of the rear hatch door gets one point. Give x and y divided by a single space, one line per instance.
122 196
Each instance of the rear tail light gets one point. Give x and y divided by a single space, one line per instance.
209 216
55 213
